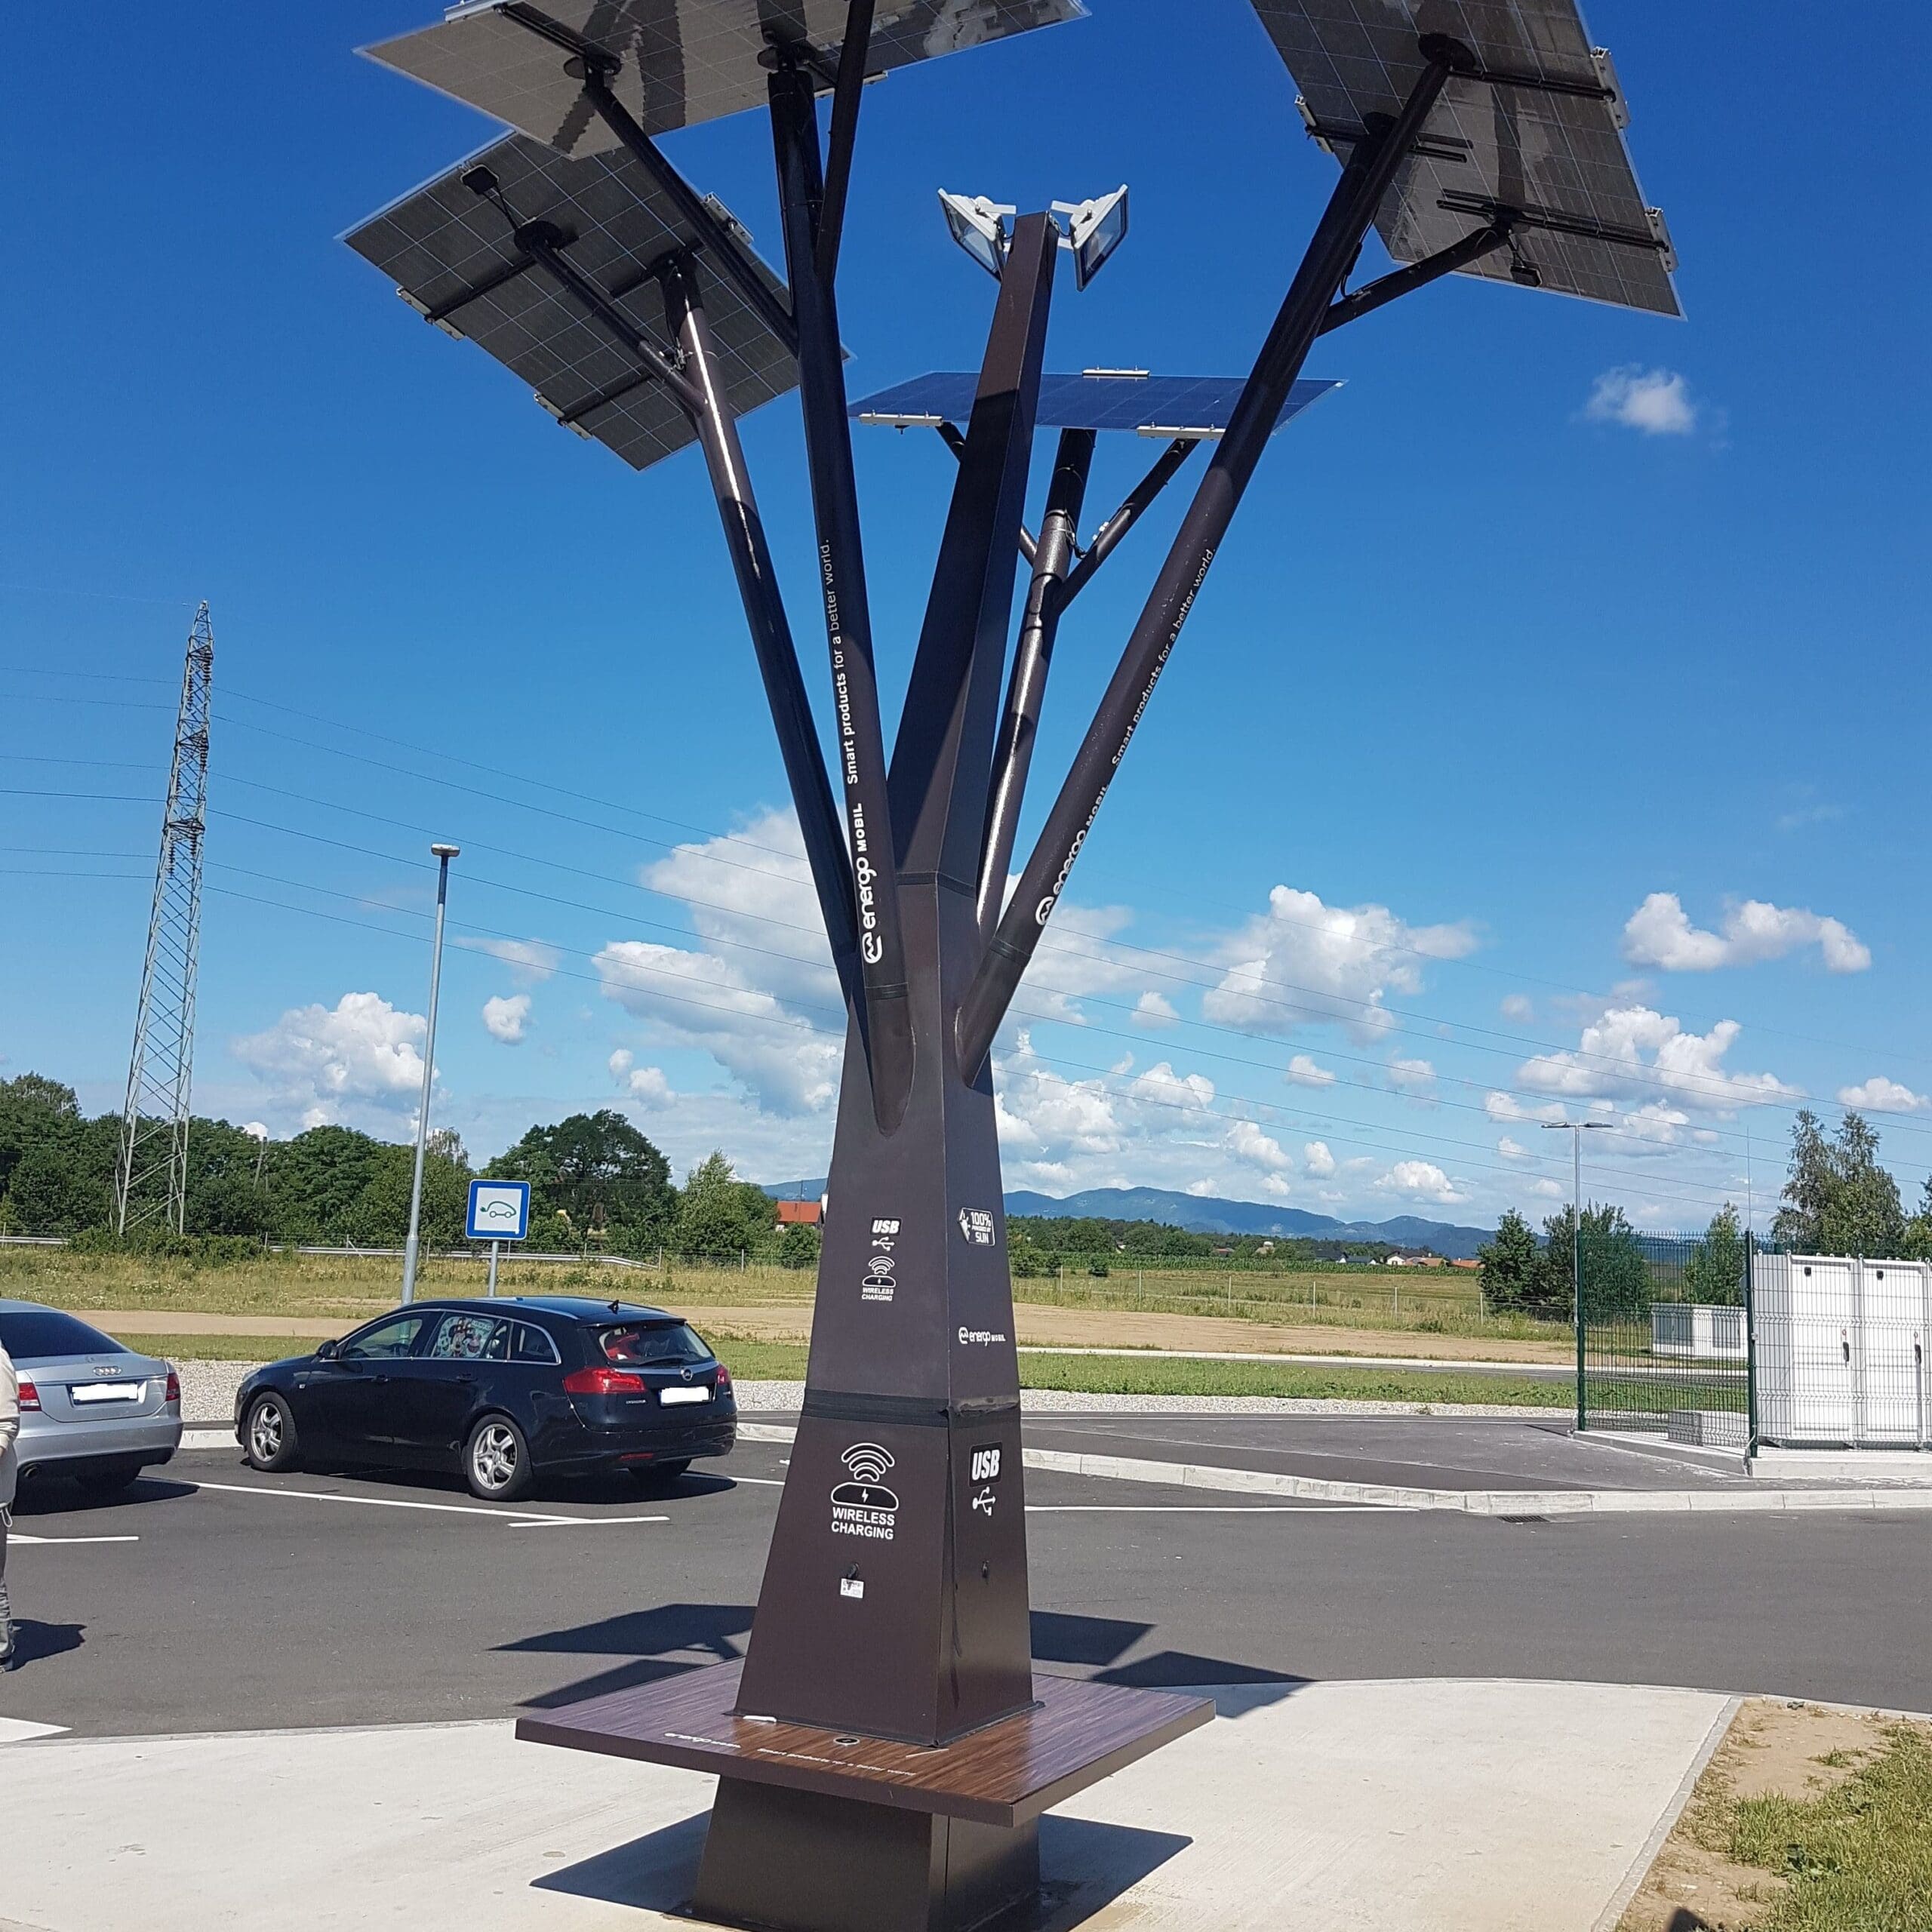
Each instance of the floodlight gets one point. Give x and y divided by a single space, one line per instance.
979 226
1094 229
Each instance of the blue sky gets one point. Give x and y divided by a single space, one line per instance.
1483 670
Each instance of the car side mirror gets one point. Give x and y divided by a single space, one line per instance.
325 1351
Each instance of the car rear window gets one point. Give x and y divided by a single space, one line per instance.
647 1345
43 1332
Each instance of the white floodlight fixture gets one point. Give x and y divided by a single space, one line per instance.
979 226
1094 229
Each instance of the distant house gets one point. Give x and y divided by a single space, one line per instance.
799 1214
1266 1247
1414 1258
1465 1264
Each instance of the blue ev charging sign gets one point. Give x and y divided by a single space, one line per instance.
499 1211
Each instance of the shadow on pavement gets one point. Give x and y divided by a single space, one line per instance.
663 1642
33 1641
1100 1642
1085 1866
60 1495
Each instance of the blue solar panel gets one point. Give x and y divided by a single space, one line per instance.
1146 405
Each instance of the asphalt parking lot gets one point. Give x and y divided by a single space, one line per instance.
213 1598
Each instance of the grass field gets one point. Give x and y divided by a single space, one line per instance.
1416 1302
753 1360
1808 1818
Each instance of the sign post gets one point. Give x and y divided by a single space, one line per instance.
499 1211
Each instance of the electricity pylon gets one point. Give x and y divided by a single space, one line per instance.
151 1180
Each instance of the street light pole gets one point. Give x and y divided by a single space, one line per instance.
1577 1129
443 855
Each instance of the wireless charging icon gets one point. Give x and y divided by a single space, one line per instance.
866 1490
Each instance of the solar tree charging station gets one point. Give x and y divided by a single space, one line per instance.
885 1750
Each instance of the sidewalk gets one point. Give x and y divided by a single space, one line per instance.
1474 1806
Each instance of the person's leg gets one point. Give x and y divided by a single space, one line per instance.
6 1623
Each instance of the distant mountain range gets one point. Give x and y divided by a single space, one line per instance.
1204 1214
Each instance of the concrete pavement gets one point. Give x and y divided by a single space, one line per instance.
1445 1805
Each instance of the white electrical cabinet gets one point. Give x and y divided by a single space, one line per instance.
1842 1352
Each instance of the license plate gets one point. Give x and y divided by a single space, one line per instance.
107 1392
669 1398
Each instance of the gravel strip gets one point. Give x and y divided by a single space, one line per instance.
207 1398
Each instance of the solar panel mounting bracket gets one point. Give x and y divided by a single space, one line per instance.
1655 236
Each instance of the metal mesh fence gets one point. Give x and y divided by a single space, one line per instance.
1664 1342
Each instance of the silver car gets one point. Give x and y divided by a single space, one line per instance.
90 1409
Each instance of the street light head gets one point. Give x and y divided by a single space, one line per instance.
979 226
1094 229
445 851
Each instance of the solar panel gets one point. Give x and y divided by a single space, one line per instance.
684 61
1117 399
454 258
1557 158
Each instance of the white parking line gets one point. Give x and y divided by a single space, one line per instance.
521 1519
1215 1509
22 1730
18 1536
584 1522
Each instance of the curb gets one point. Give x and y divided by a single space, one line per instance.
1471 1502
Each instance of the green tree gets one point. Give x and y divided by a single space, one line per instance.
1615 1276
1511 1265
1714 1274
1917 1244
799 1246
1838 1200
718 1213
596 1175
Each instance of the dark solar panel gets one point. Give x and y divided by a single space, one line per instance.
443 242
1558 158
684 61
1147 405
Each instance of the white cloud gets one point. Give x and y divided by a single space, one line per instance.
1656 401
1154 1010
1511 1150
1499 1105
1316 1158
1659 934
1411 1076
1302 1071
647 1084
1421 1180
360 1060
1880 1095
531 961
1301 963
1636 1052
788 1065
505 1019
255 1130
1547 1190
1246 1141
1518 1006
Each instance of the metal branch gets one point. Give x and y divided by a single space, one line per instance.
1350 212
1107 538
845 94
950 434
862 760
1398 282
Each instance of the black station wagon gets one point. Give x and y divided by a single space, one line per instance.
505 1391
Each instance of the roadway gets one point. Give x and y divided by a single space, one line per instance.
213 1598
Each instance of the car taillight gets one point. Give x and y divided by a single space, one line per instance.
173 1394
29 1395
723 1376
604 1381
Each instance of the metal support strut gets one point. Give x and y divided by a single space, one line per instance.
1046 598
1350 212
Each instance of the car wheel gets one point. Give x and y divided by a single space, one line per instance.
495 1461
659 1472
109 1481
268 1437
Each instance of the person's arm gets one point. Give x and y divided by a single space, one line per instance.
9 1401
